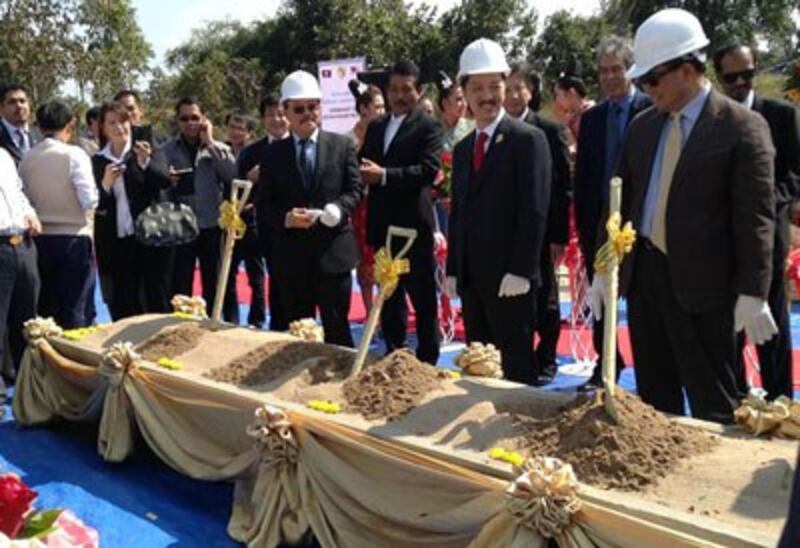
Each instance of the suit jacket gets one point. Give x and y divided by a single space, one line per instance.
590 185
498 215
10 144
784 125
142 186
412 162
280 188
558 216
721 205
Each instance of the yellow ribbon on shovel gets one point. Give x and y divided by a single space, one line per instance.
388 271
229 218
619 243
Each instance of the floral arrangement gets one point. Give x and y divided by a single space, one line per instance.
22 526
442 186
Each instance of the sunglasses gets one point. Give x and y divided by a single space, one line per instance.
746 75
302 109
189 118
654 76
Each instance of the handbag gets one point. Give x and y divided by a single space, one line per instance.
166 224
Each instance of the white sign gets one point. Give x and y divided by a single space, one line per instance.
338 105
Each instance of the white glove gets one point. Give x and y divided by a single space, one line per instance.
451 283
753 315
513 286
597 295
331 215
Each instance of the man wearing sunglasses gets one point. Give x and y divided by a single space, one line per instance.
735 65
697 173
308 186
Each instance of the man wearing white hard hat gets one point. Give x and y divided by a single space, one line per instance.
308 186
697 173
498 218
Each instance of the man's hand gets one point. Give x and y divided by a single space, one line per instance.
110 175
253 174
32 224
300 217
143 151
371 173
206 131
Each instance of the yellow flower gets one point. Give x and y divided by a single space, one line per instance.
184 316
168 363
511 457
324 406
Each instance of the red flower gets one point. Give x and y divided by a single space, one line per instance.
15 503
447 158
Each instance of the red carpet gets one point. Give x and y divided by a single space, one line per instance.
358 315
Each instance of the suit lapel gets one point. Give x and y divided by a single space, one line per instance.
401 131
650 140
496 146
10 143
322 155
699 138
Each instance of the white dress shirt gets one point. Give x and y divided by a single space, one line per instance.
391 130
123 207
14 205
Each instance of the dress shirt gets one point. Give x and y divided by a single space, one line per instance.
749 100
14 205
14 132
490 129
123 207
689 115
391 130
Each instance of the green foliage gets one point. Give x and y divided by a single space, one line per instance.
40 524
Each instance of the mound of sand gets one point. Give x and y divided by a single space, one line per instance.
172 341
392 386
642 448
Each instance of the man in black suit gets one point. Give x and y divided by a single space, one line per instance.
522 91
498 217
131 101
400 158
276 125
15 109
601 136
735 65
308 186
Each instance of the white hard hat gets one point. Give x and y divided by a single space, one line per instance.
483 56
665 35
300 85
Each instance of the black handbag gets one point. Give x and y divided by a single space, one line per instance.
166 224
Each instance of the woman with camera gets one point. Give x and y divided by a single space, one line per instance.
129 176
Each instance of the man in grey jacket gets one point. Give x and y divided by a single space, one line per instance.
201 169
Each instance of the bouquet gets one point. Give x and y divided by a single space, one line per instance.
22 526
442 186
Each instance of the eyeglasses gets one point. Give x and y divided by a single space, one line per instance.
301 109
193 118
654 76
746 75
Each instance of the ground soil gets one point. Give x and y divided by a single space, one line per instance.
172 341
392 386
643 447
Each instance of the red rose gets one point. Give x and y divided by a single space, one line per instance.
15 503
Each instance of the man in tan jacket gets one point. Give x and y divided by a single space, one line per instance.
58 181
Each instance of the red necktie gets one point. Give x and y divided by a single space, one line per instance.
480 151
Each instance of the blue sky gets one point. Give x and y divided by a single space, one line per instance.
168 23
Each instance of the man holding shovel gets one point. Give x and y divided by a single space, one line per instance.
501 198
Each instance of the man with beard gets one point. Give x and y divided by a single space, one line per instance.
735 65
400 159
501 198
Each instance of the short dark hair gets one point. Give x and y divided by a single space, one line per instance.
103 111
730 47
241 117
570 81
54 115
127 93
91 115
406 69
533 80
187 102
270 100
5 89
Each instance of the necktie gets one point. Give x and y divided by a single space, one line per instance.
305 162
22 141
479 153
672 152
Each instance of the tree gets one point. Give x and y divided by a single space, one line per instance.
36 43
111 53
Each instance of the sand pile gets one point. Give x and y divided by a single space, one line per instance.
273 360
643 447
172 341
392 386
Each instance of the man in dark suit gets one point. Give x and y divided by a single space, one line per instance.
276 125
501 199
400 158
131 101
697 175
522 90
308 186
735 65
601 136
15 109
